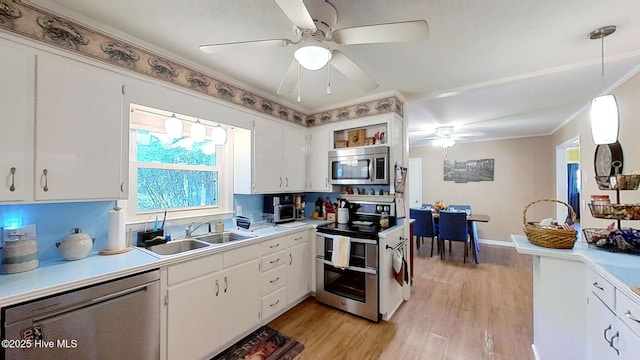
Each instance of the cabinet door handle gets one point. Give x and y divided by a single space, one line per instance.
45 187
280 181
597 286
611 343
12 188
287 182
274 261
630 316
226 284
275 303
326 181
290 259
274 280
605 334
274 246
217 287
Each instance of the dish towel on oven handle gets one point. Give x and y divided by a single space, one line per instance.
341 251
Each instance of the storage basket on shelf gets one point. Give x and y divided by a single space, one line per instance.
618 182
555 238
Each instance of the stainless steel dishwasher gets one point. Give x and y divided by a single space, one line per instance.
119 319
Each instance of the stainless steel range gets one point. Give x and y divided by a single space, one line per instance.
354 288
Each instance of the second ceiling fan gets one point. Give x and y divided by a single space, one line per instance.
318 41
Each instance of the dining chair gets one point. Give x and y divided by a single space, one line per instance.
424 225
426 206
453 227
464 208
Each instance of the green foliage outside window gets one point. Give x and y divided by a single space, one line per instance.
174 173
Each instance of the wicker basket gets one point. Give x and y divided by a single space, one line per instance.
550 238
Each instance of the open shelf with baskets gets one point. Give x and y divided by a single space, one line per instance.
610 238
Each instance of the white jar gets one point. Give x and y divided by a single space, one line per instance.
20 255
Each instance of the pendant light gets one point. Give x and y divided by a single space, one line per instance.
173 127
198 131
604 109
219 135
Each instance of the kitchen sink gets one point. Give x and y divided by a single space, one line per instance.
177 247
227 236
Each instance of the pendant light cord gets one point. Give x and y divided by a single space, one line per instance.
299 82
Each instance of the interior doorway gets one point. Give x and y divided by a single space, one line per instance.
568 178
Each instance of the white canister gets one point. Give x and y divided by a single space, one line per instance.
20 255
343 215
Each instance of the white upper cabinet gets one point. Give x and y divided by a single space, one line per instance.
79 131
17 71
317 159
277 163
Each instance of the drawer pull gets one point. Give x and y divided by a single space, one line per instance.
226 284
274 246
274 280
595 284
275 303
611 343
274 261
630 316
217 287
605 334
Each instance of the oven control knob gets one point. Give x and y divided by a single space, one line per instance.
386 208
379 208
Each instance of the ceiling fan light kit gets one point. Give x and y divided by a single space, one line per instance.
604 109
312 57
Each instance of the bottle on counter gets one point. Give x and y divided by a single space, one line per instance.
219 226
384 221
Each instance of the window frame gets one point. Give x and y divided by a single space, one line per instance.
224 167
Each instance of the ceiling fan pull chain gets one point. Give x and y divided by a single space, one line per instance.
298 82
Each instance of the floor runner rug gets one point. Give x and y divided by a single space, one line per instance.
262 344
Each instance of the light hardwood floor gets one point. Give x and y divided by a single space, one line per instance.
456 312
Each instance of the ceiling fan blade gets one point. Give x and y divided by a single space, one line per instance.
352 71
408 31
288 82
297 12
240 45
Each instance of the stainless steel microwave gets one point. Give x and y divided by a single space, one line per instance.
359 166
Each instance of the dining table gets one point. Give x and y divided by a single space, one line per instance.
472 219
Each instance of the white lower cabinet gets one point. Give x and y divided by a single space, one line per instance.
299 267
608 335
212 300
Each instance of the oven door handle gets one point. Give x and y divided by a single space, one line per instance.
353 240
350 268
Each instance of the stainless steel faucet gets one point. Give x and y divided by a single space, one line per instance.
190 229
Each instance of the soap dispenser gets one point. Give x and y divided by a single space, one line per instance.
219 226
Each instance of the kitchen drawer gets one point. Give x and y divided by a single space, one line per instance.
297 238
629 312
193 269
274 279
603 289
273 303
240 255
274 260
274 245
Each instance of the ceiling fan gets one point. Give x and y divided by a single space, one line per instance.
317 41
446 136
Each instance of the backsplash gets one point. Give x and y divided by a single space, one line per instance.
55 221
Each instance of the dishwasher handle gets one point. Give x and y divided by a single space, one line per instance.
92 302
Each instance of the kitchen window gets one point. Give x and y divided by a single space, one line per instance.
183 176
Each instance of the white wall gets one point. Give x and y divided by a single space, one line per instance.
524 172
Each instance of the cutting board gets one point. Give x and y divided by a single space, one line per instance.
636 290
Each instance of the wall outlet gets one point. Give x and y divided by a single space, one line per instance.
238 210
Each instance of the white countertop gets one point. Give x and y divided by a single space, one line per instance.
622 269
59 275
